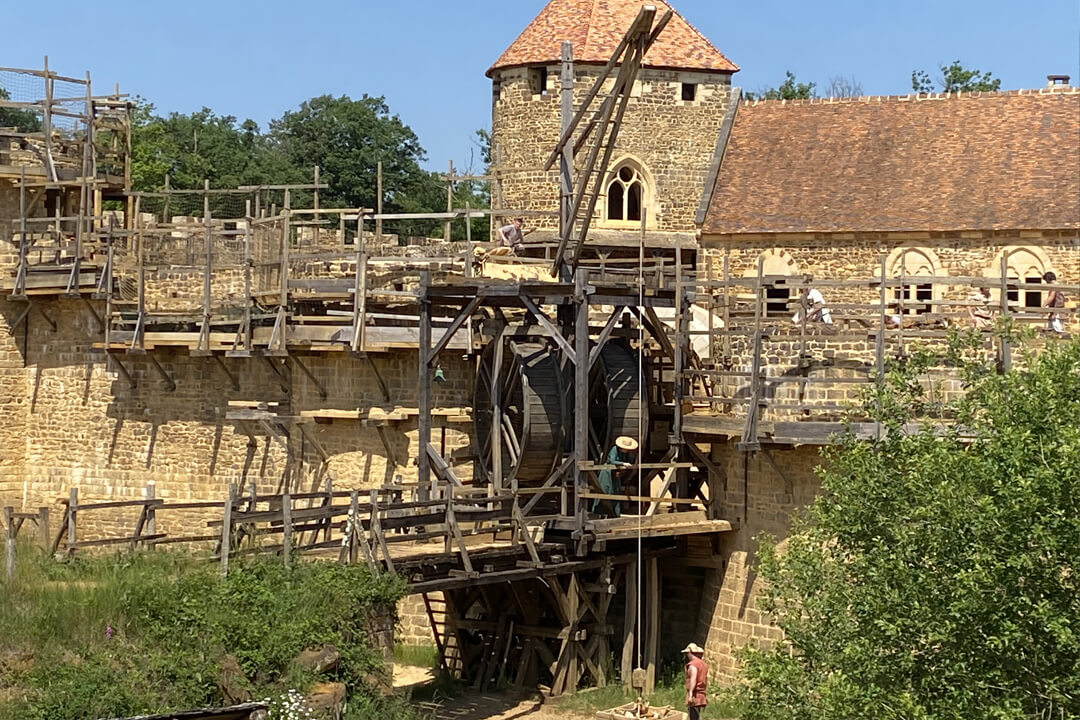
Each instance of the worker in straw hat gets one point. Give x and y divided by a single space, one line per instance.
697 679
622 454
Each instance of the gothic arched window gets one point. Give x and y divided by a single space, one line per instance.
915 297
626 195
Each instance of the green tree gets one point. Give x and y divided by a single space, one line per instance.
203 146
955 78
347 139
936 576
23 121
790 89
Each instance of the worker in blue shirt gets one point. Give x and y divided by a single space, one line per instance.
623 454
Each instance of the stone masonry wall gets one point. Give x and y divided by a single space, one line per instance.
672 139
763 500
70 420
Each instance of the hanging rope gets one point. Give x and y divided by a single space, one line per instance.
640 428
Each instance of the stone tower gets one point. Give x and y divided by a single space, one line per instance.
669 133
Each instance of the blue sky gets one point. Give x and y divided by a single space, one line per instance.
428 57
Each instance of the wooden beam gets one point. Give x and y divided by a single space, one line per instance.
462 316
549 328
605 334
424 390
652 636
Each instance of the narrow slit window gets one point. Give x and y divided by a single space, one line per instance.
633 202
615 202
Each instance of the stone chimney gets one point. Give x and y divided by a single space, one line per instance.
1057 80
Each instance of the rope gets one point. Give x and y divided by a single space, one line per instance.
641 429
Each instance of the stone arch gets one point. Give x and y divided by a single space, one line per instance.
629 190
1023 263
916 297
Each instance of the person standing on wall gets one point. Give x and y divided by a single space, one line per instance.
697 679
1055 300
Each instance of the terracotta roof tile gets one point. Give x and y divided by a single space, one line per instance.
595 28
976 161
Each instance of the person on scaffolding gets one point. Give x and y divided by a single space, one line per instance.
512 237
621 455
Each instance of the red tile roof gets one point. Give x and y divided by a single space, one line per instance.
977 161
595 27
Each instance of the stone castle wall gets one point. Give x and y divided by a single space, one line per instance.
71 420
762 500
672 139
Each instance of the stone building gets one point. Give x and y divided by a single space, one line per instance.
941 194
944 188
676 108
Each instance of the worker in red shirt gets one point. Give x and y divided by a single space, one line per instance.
697 679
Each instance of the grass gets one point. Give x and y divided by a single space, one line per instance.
147 632
425 656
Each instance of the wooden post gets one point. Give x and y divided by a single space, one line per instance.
573 601
355 527
581 403
566 160
315 207
360 286
423 461
626 668
652 644
151 510
880 346
248 259
136 342
448 228
681 332
47 122
378 204
9 542
20 279
329 504
226 532
209 251
1006 349
43 528
72 510
286 526
497 415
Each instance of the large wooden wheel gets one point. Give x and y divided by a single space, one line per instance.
618 402
525 380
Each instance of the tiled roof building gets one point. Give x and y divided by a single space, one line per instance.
595 28
675 110
981 161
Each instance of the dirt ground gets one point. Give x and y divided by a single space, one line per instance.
481 706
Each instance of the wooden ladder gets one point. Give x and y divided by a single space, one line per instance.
445 638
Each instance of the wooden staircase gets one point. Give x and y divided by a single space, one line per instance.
438 612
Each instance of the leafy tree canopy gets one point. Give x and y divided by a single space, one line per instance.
936 576
955 78
790 89
347 139
23 121
202 146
